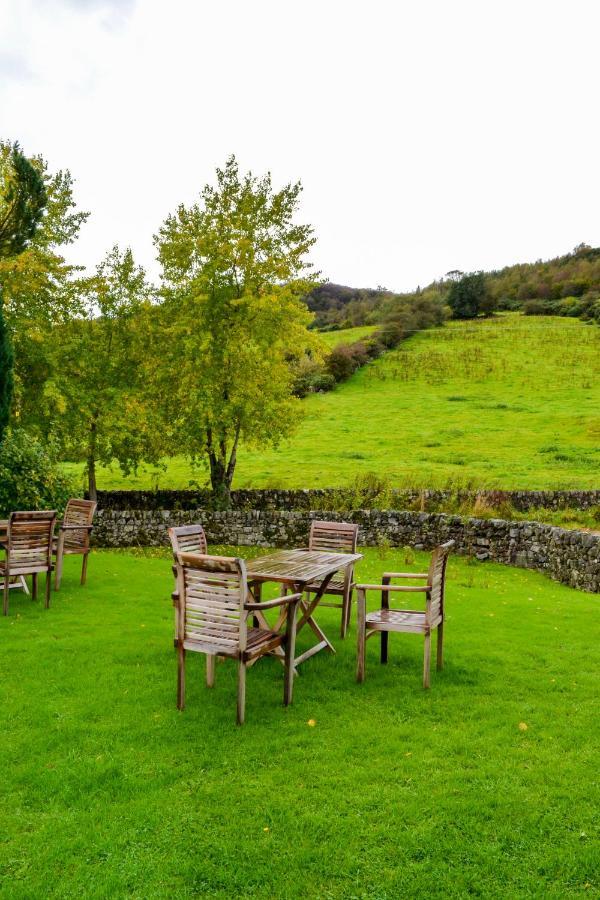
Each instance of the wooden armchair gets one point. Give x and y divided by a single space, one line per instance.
212 601
384 620
338 537
28 550
74 536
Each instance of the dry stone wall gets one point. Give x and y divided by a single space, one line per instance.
572 557
318 499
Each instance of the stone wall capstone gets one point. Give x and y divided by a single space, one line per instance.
318 499
571 557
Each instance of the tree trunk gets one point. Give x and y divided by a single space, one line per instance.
220 481
91 460
221 469
91 470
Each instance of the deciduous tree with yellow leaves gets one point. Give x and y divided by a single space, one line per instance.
235 270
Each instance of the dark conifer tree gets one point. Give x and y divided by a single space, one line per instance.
22 203
6 372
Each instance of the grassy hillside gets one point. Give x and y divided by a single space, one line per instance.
511 402
347 335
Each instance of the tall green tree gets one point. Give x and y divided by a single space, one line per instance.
94 401
23 200
40 288
469 296
235 269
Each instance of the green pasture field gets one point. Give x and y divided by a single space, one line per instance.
508 402
347 335
485 786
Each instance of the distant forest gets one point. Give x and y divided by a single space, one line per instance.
566 286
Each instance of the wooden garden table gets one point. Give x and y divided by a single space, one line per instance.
296 569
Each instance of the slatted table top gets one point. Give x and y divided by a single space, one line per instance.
298 566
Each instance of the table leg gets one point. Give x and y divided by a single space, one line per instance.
306 618
260 621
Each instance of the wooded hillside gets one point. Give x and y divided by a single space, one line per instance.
567 285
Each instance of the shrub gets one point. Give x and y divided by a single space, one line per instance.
342 362
570 306
508 304
305 372
536 308
29 476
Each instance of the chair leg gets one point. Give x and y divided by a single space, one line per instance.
34 581
24 584
346 613
349 612
58 569
440 646
241 697
180 677
210 669
361 636
384 646
427 660
6 589
84 568
48 586
290 655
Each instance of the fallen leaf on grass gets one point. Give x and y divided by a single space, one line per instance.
523 726
312 722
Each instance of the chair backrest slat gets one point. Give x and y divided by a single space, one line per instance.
30 538
188 539
214 591
437 579
336 537
78 512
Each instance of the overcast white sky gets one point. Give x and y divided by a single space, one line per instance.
429 135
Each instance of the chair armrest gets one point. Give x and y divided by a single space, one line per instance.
406 575
271 604
392 587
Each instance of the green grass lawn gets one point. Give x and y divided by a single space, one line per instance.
108 791
510 402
